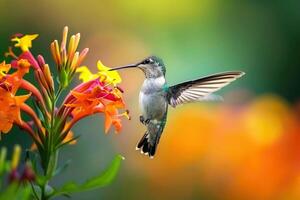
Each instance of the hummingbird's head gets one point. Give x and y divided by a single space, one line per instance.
152 67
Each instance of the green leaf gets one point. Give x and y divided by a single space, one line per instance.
62 168
15 192
67 142
99 181
38 111
36 191
48 190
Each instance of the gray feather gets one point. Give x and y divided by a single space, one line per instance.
200 89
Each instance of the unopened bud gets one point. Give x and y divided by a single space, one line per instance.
16 157
14 176
28 174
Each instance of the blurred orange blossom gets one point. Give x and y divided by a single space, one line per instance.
251 151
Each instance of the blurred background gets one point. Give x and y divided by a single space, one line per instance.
247 147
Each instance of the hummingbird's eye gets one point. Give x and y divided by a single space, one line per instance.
146 61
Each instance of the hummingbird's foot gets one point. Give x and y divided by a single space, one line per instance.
142 119
146 121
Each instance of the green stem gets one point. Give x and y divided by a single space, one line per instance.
57 122
52 164
60 89
51 133
43 195
34 192
51 151
51 167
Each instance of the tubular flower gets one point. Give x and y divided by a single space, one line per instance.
94 97
67 59
103 74
15 79
10 108
10 111
9 85
24 43
70 139
26 56
50 123
112 117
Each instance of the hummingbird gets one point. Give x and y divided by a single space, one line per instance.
155 96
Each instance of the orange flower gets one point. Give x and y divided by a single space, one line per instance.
112 117
85 104
228 152
14 79
94 97
70 138
10 109
4 68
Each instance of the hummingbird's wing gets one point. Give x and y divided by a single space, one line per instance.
200 89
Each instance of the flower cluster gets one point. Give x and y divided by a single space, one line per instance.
16 173
50 124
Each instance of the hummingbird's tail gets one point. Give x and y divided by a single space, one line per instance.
148 143
147 146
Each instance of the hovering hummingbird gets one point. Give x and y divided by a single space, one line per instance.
156 95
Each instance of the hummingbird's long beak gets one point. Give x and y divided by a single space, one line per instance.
124 67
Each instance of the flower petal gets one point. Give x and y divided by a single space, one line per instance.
111 76
85 74
24 42
4 68
21 99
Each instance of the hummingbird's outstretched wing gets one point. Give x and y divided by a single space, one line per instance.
200 89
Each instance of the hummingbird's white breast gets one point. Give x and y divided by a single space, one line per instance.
152 98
